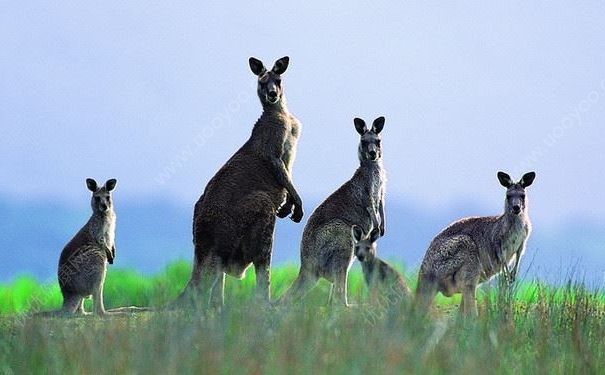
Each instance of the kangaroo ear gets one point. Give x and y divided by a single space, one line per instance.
281 65
378 125
360 126
91 184
356 233
111 184
528 179
256 66
505 180
375 235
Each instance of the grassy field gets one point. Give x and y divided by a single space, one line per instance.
534 329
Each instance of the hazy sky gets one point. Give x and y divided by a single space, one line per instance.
160 95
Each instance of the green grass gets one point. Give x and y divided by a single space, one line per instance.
536 329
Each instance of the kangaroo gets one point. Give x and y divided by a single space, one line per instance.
83 261
234 219
473 250
325 250
382 279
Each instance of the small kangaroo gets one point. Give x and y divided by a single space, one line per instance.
83 261
382 279
473 250
325 249
234 219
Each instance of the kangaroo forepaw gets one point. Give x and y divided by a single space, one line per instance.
285 210
298 214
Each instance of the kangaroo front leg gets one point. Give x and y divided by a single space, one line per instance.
516 265
110 253
286 208
283 178
382 217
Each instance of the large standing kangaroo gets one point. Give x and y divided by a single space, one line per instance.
234 220
326 250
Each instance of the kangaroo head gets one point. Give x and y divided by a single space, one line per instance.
101 201
516 201
364 245
269 89
369 143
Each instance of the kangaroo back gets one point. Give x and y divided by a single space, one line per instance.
384 280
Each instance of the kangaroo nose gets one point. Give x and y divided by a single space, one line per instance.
372 154
272 94
516 209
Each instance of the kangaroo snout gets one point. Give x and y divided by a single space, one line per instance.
372 151
362 256
272 96
365 257
516 209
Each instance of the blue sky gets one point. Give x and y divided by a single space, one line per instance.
160 95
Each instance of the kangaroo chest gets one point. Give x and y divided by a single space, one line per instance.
290 143
375 186
104 232
513 239
109 233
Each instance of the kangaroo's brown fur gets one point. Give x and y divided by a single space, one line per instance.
234 220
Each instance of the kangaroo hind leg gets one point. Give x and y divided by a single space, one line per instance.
301 286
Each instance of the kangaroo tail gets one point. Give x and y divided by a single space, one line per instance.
130 309
51 314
